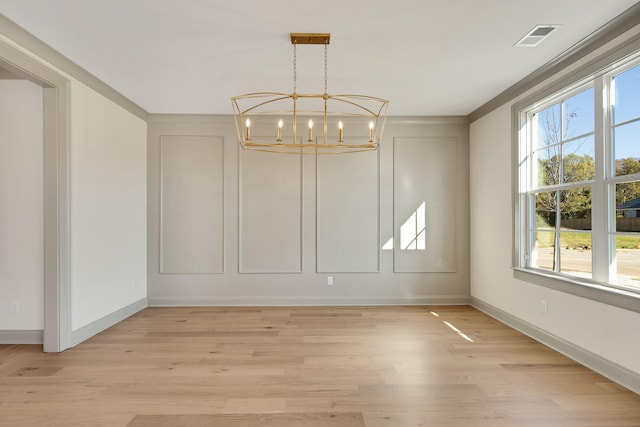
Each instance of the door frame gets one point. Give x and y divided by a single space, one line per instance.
56 172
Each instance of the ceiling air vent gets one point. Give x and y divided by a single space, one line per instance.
536 35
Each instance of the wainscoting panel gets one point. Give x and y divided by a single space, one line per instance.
192 204
348 206
293 220
425 184
270 213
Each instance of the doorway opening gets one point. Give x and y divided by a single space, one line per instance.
55 192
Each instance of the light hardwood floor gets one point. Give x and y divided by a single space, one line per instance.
351 366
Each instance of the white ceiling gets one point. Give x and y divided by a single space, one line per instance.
429 57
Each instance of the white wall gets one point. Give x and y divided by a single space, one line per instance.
290 221
108 207
21 229
604 330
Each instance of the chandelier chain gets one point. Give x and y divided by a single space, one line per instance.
295 76
325 68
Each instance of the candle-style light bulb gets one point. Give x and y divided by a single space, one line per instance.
248 126
371 131
310 130
340 134
280 123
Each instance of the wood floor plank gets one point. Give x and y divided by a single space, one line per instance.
307 366
250 420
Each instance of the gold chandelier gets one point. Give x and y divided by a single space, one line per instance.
347 123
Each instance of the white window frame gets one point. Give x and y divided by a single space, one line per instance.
600 287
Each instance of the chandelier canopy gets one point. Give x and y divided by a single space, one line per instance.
303 123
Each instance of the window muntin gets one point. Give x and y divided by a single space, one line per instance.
565 137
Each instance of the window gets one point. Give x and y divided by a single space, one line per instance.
578 202
624 183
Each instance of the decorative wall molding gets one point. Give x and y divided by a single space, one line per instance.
228 119
254 242
428 120
285 173
425 202
611 370
348 241
193 219
191 118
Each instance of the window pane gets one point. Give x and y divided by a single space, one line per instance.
628 261
543 255
546 210
548 161
575 253
575 244
626 146
577 160
628 206
627 95
575 209
549 126
579 114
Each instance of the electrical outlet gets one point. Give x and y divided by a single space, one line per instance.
330 280
15 306
544 307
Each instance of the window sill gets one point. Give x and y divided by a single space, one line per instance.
606 295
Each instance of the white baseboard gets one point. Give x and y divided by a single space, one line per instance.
21 336
302 301
95 327
611 370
